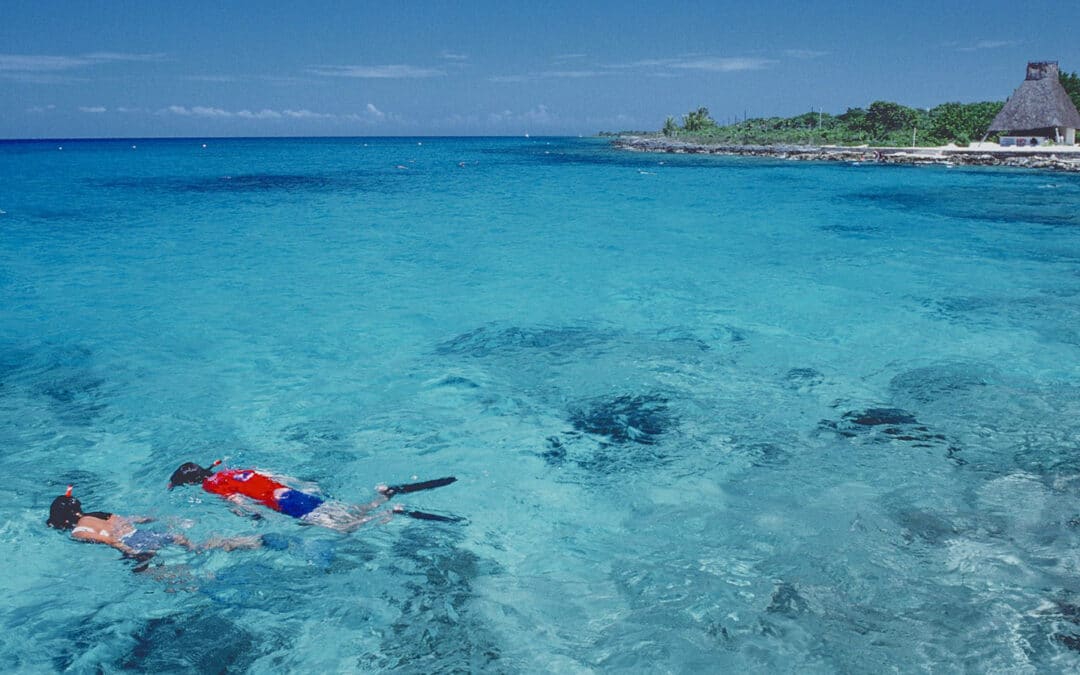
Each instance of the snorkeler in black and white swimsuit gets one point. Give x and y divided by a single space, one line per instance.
120 532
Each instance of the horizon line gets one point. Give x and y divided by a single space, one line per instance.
50 139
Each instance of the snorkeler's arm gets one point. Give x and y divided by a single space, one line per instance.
243 507
96 537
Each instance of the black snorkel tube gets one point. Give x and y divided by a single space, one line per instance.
65 511
190 473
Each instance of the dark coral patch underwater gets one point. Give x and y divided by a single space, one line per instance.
614 436
262 182
881 426
203 642
638 419
929 384
483 342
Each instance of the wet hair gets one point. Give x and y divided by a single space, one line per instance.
189 473
64 513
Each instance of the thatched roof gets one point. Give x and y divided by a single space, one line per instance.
1040 102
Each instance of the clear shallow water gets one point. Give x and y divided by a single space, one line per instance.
707 414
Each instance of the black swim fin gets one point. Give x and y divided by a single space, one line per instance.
406 488
142 560
424 515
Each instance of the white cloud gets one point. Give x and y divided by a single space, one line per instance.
245 114
211 78
120 56
41 108
97 109
572 74
23 63
724 65
58 69
264 114
539 116
718 64
210 112
38 63
205 111
196 111
549 75
648 67
987 44
307 114
287 80
371 114
504 79
452 56
397 71
805 53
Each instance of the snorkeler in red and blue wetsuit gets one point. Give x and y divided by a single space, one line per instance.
236 484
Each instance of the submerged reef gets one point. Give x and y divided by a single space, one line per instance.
787 601
803 378
613 436
202 642
483 342
889 425
260 182
929 384
641 418
438 629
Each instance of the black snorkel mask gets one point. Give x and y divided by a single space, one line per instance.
190 473
65 511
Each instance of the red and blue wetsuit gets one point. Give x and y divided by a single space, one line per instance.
262 489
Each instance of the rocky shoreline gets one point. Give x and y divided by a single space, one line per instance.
1045 159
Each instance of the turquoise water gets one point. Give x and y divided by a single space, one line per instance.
707 414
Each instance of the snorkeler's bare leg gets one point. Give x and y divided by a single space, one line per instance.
232 543
342 517
184 541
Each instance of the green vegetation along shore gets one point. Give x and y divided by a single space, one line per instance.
882 123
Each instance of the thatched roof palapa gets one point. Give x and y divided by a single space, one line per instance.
1040 102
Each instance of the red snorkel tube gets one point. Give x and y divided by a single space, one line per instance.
70 488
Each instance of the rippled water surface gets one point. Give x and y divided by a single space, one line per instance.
707 415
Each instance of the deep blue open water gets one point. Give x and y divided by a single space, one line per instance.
707 414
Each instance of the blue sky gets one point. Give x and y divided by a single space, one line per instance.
93 68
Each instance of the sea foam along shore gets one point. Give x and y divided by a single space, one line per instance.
1056 158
